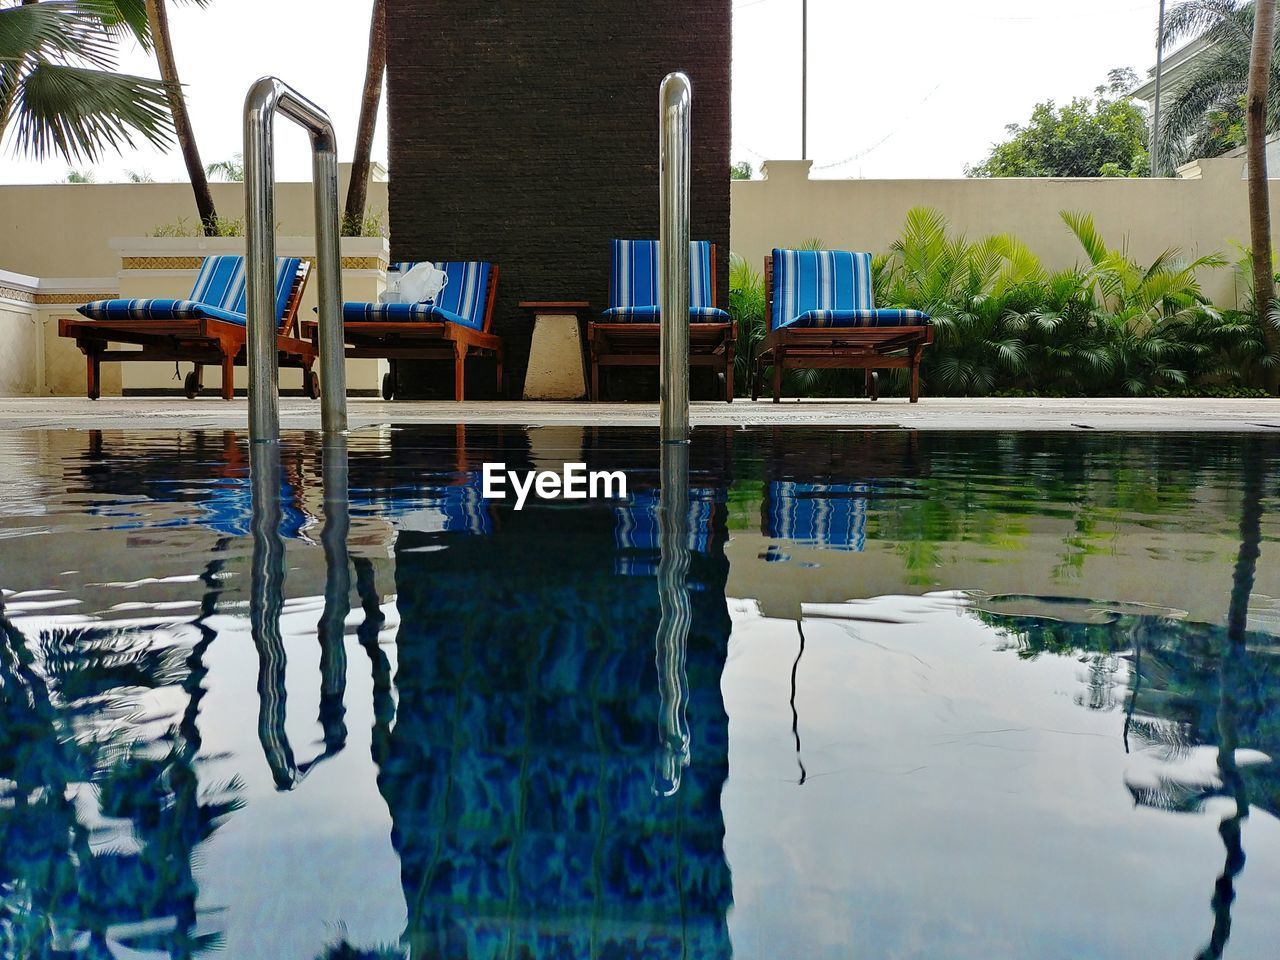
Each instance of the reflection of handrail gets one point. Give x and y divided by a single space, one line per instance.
337 592
266 603
676 617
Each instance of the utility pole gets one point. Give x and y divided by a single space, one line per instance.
804 79
1155 118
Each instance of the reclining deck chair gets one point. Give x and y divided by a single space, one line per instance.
457 324
821 312
627 334
207 328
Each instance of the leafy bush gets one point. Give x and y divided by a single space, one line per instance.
1005 325
182 227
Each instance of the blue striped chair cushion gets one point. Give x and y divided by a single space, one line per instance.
633 276
399 313
826 515
219 293
157 309
860 318
637 526
464 299
826 288
650 315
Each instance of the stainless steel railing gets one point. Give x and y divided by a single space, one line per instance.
673 256
266 98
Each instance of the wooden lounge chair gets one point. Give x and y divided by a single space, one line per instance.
207 328
822 313
627 334
456 325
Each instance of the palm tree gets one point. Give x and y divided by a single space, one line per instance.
358 188
158 37
1259 97
1203 110
58 89
232 169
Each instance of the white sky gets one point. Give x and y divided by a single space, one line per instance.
908 88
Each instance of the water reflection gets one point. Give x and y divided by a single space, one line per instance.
515 672
519 770
103 814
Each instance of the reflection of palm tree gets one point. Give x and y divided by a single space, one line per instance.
1233 671
57 884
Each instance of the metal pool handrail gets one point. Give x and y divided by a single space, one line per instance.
265 98
673 256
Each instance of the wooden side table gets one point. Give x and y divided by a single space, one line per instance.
557 365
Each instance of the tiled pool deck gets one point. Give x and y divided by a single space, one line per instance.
176 413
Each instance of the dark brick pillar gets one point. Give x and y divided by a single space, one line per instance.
526 133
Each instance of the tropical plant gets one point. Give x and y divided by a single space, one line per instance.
139 176
375 66
1202 111
231 169
1004 324
741 170
59 92
81 176
1102 135
182 227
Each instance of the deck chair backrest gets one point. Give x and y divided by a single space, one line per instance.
220 283
288 273
468 293
633 273
804 280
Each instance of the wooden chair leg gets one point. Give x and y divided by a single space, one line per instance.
459 371
728 374
228 376
595 377
499 379
778 364
915 375
757 376
873 391
93 373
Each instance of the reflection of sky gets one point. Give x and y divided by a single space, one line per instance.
959 803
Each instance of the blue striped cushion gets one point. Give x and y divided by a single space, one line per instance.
813 280
464 299
399 313
650 315
219 293
832 515
637 526
157 309
633 276
860 318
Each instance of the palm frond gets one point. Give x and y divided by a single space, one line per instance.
77 113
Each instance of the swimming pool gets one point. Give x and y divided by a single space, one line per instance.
868 693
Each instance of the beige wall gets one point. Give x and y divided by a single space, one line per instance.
62 230
1200 215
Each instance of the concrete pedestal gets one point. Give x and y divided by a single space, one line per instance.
555 369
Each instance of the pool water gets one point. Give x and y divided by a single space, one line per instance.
839 693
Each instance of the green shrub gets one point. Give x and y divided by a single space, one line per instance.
1004 325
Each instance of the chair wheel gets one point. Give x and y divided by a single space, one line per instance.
191 385
388 386
311 384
